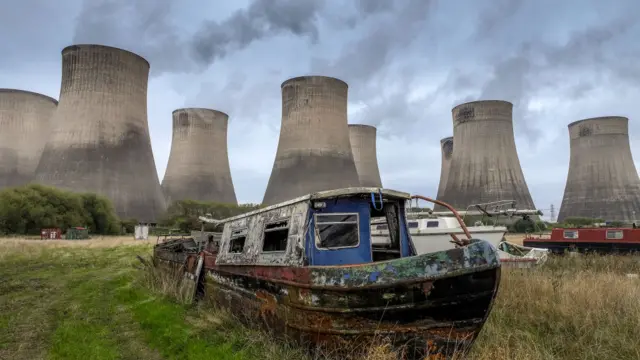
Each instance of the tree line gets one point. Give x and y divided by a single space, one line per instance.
25 210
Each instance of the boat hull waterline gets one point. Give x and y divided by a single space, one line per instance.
429 305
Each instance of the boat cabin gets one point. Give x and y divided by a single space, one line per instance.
325 228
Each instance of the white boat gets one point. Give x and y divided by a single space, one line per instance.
434 234
434 231
518 256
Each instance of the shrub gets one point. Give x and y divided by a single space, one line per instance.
27 209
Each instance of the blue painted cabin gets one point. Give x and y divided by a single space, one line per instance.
325 228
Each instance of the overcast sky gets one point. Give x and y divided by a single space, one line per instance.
407 63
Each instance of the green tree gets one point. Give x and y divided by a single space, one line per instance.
28 209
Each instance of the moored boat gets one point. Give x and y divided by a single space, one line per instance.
307 269
604 240
438 231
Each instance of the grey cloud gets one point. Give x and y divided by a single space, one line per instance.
373 6
363 63
365 57
518 77
492 18
263 18
145 27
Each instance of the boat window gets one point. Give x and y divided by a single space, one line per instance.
236 244
275 236
237 240
570 234
337 230
614 234
413 224
432 224
382 227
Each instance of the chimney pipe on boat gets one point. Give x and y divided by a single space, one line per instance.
485 165
314 152
602 182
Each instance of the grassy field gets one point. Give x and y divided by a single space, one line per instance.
91 300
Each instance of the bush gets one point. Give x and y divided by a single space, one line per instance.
184 214
28 209
580 221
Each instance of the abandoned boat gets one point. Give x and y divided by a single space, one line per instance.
307 269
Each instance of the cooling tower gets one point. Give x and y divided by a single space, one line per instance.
363 146
314 152
100 142
198 167
602 182
24 128
485 166
446 146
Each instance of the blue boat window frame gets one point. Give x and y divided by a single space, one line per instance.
240 232
264 226
317 233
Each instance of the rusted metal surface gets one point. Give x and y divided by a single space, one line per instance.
436 301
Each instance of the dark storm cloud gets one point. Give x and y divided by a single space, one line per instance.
146 27
263 18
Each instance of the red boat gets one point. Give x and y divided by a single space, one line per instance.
600 240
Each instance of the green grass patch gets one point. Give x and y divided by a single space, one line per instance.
79 303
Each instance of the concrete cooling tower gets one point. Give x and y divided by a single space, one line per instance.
446 147
24 128
100 142
198 167
602 182
314 152
485 165
363 146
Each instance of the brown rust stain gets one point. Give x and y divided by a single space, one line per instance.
269 303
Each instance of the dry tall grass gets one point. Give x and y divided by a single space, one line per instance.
17 245
583 307
580 307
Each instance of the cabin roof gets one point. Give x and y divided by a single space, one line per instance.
327 194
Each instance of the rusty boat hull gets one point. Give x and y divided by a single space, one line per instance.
431 305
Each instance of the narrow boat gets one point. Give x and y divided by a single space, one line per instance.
603 240
307 269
